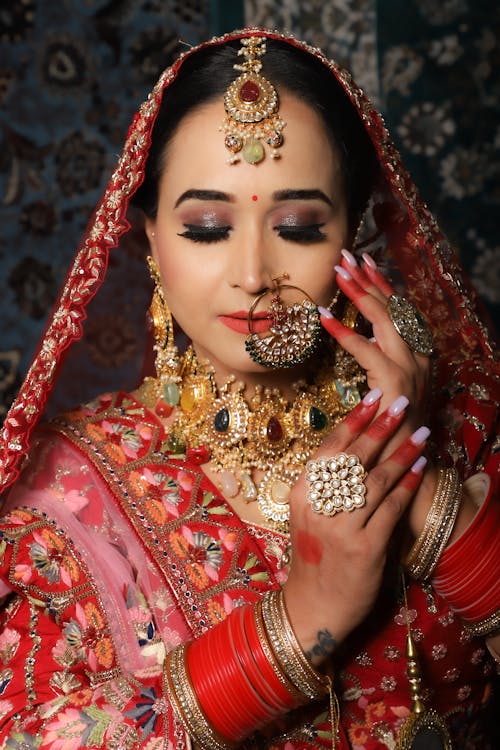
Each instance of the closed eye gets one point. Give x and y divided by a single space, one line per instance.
201 233
301 233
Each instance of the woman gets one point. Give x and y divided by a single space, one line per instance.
173 572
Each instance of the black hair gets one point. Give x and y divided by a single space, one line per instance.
205 76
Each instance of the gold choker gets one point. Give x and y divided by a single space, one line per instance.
264 433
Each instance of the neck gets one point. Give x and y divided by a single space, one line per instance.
284 379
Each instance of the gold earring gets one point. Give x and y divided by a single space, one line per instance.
294 330
167 364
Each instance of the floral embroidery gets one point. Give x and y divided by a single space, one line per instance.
51 559
439 651
85 637
5 678
9 643
392 653
388 684
23 741
146 712
160 493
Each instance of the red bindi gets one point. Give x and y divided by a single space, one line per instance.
255 197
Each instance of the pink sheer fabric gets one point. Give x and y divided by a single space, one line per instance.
63 485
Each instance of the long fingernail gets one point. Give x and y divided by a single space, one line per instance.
324 311
420 435
419 465
343 273
349 258
369 260
372 396
398 406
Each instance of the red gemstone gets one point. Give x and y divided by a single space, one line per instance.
249 92
163 409
274 430
199 455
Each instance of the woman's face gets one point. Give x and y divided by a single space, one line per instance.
223 232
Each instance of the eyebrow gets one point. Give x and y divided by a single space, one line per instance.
279 195
204 195
302 195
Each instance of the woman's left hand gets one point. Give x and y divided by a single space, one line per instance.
388 362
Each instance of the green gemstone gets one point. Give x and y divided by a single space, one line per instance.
171 394
253 151
317 419
176 444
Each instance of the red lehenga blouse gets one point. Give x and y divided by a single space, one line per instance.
112 552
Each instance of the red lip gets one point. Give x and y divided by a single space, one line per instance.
238 321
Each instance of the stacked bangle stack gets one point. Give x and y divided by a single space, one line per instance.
467 573
428 547
241 675
464 573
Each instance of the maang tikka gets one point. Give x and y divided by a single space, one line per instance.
294 331
251 104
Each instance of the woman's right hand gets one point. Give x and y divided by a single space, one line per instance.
337 562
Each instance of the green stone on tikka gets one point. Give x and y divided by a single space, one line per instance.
253 151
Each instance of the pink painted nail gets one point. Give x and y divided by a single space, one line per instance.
419 465
372 396
324 311
349 258
420 435
398 406
369 260
343 273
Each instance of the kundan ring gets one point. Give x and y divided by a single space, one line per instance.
410 325
335 484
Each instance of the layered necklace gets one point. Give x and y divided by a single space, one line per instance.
265 433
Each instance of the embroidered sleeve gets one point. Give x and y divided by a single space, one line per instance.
469 423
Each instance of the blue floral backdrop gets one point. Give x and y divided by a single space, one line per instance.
72 73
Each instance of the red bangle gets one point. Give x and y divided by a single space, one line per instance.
236 686
467 573
271 691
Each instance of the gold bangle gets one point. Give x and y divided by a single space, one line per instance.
185 703
424 555
287 650
272 658
487 627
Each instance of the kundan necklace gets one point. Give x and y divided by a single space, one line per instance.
265 433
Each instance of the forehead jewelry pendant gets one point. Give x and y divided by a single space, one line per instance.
251 104
294 331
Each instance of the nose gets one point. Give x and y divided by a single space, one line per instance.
251 262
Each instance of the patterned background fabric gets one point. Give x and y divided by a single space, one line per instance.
73 72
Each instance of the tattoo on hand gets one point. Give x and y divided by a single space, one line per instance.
326 643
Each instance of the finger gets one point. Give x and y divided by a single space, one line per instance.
383 521
378 279
369 357
355 422
360 435
351 265
384 477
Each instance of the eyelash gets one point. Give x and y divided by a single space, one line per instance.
307 234
197 233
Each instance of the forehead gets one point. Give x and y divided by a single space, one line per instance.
197 155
